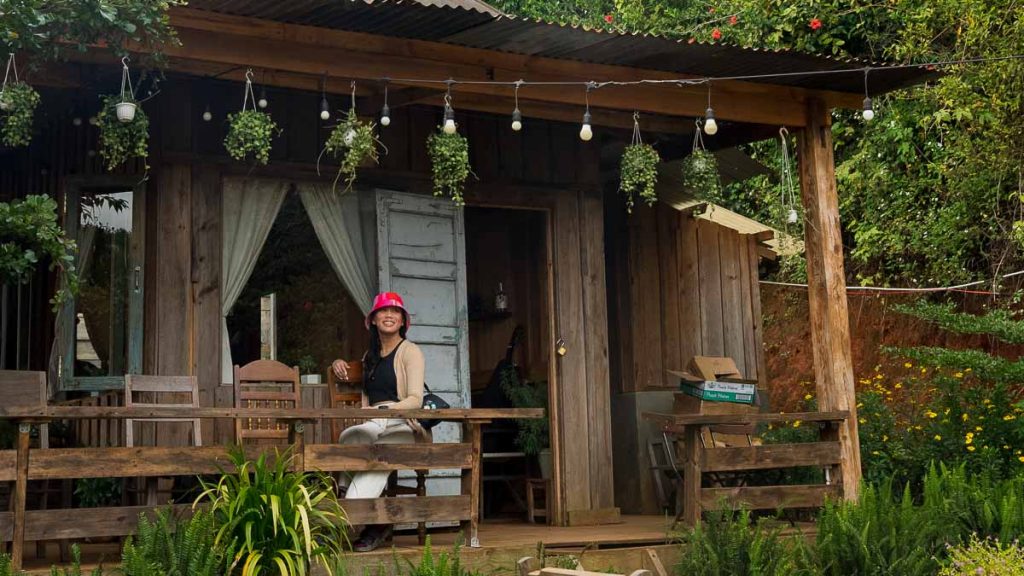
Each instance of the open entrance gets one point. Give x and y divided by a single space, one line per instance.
510 347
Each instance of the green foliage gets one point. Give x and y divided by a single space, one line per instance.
354 141
274 519
250 133
449 162
639 174
48 29
534 433
5 567
700 178
29 233
443 565
120 141
985 557
733 544
168 547
76 566
999 323
18 103
98 492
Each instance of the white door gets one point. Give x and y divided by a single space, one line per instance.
422 256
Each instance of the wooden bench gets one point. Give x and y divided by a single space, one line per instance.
16 465
698 460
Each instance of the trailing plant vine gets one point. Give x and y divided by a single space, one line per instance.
18 103
29 233
250 131
638 173
121 140
353 140
700 172
449 160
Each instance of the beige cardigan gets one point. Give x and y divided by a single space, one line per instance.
409 373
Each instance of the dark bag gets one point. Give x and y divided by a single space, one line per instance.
432 401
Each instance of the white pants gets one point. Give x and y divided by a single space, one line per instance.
370 484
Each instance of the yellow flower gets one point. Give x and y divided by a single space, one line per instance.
863 420
879 376
908 365
930 414
1021 458
924 370
964 417
918 427
1009 417
938 438
860 404
874 452
978 428
808 396
970 448
865 381
898 385
885 438
796 424
1006 447
986 401
968 369
958 375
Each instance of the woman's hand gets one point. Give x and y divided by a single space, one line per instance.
340 368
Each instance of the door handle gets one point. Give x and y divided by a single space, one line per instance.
138 275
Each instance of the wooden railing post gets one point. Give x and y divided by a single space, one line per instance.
691 475
471 481
20 491
297 438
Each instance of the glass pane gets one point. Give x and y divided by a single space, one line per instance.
101 310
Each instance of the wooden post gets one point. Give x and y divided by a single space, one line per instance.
18 501
826 293
296 437
691 475
471 482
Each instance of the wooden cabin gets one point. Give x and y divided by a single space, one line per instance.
608 301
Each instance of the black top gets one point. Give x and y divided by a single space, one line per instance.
382 384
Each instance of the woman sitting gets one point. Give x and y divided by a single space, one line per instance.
392 378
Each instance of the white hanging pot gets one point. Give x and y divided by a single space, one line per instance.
125 111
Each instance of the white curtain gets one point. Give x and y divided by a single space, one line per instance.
249 208
336 220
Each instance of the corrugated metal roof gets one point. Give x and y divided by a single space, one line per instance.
475 24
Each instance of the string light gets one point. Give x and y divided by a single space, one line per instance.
385 112
586 133
869 112
710 126
325 109
449 113
207 115
262 102
517 116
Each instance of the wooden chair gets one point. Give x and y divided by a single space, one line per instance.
265 384
160 391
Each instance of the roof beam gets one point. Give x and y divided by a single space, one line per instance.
351 55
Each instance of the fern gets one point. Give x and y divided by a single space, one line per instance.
164 547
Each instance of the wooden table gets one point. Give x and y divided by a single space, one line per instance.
697 460
21 466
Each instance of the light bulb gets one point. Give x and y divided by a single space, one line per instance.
207 116
449 126
710 126
325 110
585 132
77 121
385 116
93 121
792 216
262 102
868 113
517 120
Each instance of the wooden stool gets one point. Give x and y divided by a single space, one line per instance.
533 485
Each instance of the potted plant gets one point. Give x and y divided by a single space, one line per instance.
352 140
32 234
534 434
122 137
449 162
638 172
18 103
250 131
309 370
699 174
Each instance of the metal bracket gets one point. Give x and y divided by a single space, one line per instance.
24 428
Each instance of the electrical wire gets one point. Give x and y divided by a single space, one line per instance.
885 289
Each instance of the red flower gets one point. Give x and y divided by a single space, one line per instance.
732 20
814 23
716 34
609 18
691 40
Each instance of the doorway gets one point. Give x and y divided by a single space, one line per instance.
509 297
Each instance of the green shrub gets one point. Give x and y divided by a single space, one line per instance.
273 518
76 566
985 557
444 565
5 567
733 544
185 547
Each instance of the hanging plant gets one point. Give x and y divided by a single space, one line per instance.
121 139
249 130
700 171
449 160
353 140
124 127
18 103
638 172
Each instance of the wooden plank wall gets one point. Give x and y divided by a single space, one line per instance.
692 290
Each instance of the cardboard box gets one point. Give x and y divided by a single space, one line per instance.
720 375
708 391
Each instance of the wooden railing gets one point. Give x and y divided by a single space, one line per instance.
698 460
22 465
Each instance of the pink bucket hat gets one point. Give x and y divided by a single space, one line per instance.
384 300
